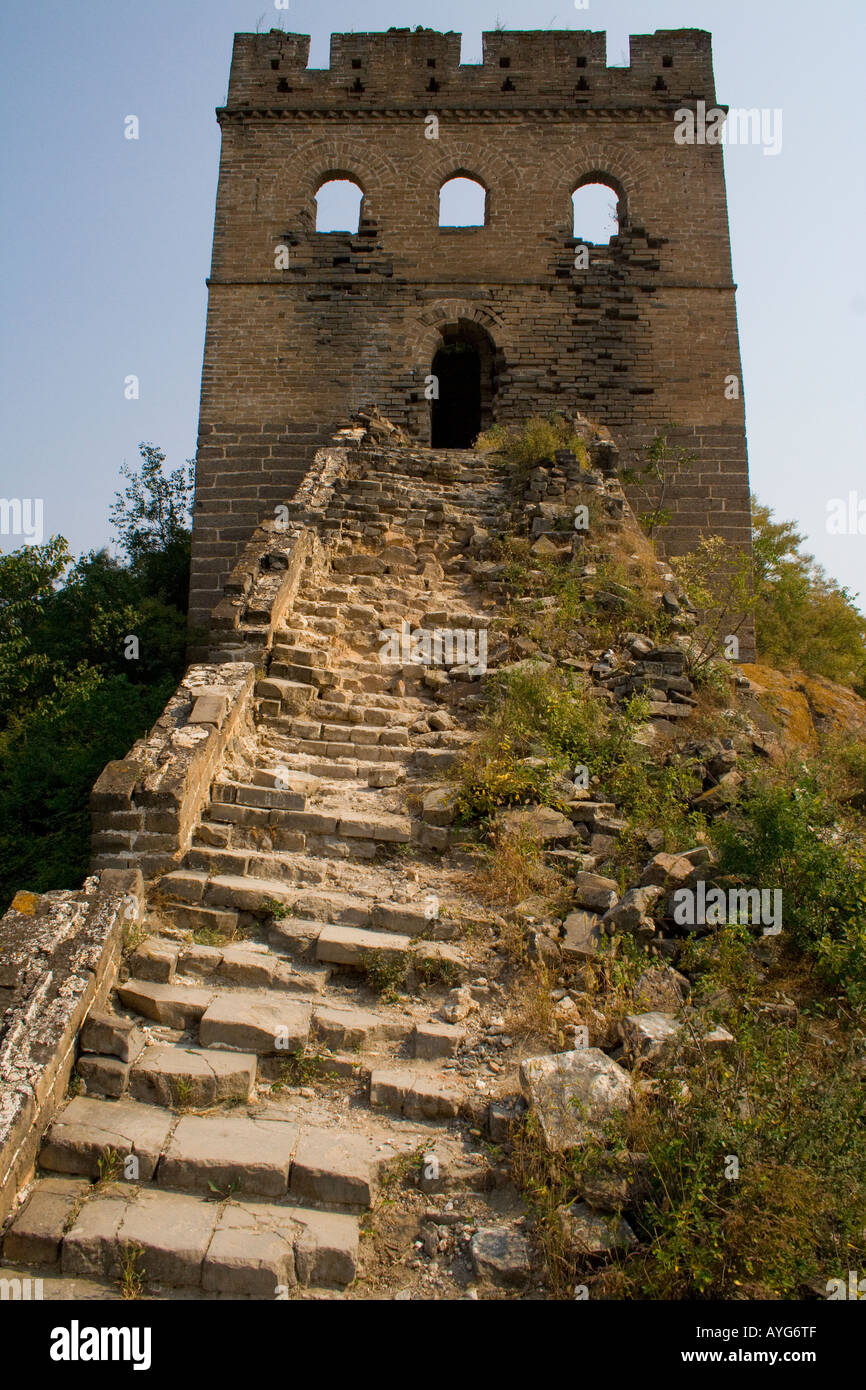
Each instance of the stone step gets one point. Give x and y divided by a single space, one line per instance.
342 945
170 1075
264 1024
224 1154
289 798
307 653
360 735
355 946
341 1028
291 696
334 712
318 676
220 920
241 861
238 1249
269 1158
173 1005
345 769
349 752
381 826
415 1094
316 608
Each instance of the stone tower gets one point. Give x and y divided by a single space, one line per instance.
304 327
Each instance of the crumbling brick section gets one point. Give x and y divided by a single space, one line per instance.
306 327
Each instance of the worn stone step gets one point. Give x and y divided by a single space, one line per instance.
370 752
359 735
377 715
176 1005
217 919
319 676
245 894
264 1024
236 1154
290 798
238 1249
167 1074
333 905
241 862
416 1095
88 1130
295 935
345 770
307 653
351 945
341 1028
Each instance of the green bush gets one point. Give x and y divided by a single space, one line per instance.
785 833
538 438
49 759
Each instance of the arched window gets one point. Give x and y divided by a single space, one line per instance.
338 206
462 202
596 213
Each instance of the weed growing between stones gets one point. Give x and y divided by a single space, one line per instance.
132 1273
110 1165
298 1069
385 974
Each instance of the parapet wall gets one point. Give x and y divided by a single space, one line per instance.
59 954
527 65
145 806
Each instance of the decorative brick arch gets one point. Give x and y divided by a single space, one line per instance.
615 165
326 158
461 160
424 335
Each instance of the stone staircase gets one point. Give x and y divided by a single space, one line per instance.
241 1107
316 1006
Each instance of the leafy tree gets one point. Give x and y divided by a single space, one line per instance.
28 585
70 699
153 518
803 618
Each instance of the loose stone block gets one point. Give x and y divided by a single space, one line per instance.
255 1025
36 1233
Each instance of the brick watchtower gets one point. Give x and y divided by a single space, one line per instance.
303 327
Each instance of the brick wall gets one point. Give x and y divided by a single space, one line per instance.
646 335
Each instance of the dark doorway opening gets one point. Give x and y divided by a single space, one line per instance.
463 369
457 411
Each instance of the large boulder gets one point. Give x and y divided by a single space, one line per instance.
573 1094
501 1255
540 822
581 936
588 1232
631 913
646 1036
662 989
595 892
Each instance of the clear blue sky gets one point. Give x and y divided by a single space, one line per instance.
106 242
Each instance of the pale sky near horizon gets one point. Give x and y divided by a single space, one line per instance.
106 242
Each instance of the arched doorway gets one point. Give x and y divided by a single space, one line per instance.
463 370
